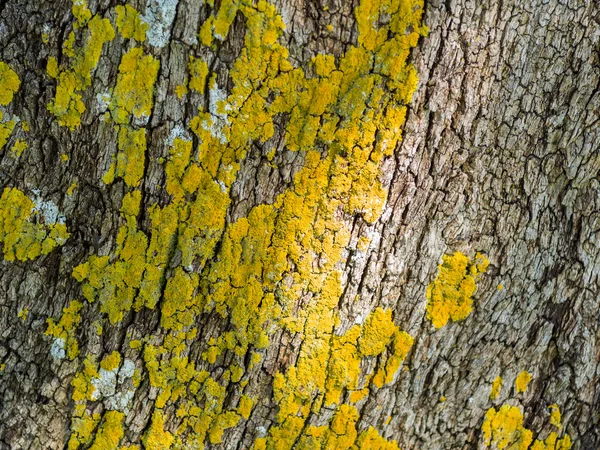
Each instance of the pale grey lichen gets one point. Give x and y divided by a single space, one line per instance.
57 349
159 16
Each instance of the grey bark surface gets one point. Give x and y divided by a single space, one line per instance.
501 154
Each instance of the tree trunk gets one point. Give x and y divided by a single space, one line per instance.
213 236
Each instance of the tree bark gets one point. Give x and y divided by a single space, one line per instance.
499 155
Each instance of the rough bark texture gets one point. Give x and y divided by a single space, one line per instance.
500 154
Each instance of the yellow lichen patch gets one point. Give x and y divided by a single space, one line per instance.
23 314
111 362
9 83
67 105
555 417
82 429
372 440
131 155
81 12
156 438
6 128
347 119
553 442
110 432
66 328
130 23
71 188
198 73
245 406
449 296
496 386
522 381
52 67
377 332
504 429
21 238
133 94
18 148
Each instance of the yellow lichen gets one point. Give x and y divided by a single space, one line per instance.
347 118
130 23
133 94
110 432
111 362
449 296
504 429
66 328
67 105
552 442
245 406
23 314
496 386
21 238
9 83
555 417
19 146
6 128
156 438
198 73
522 381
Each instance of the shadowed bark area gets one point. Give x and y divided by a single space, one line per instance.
499 156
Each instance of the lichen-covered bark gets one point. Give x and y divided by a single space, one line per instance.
266 274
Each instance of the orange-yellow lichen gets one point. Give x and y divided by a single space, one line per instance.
449 296
66 328
552 442
496 386
21 238
522 381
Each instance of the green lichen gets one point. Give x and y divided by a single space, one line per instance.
449 296
23 239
